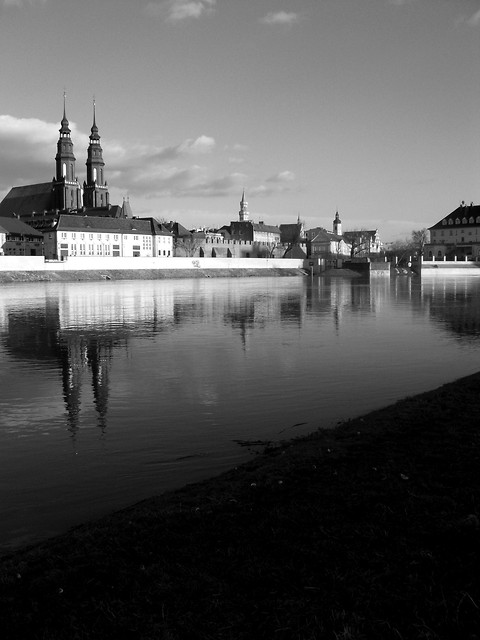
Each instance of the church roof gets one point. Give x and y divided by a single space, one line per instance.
25 199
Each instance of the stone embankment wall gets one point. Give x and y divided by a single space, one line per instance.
35 268
449 268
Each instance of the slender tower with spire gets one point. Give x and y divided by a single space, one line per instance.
337 225
95 189
243 213
67 192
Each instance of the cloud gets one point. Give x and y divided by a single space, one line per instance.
278 183
280 17
474 21
23 3
178 10
282 177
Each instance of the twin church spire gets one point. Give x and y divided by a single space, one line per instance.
67 190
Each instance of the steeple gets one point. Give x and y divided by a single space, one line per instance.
243 213
95 189
65 184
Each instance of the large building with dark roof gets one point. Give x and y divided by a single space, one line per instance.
456 236
40 204
95 236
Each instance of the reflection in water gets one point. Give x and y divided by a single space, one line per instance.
154 381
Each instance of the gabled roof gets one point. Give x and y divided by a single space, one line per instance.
463 212
295 252
267 228
326 236
25 199
178 230
17 227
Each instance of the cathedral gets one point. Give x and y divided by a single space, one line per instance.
38 204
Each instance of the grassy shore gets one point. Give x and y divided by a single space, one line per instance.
368 531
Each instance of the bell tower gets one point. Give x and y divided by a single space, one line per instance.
67 192
95 189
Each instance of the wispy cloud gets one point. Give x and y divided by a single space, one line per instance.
280 17
474 21
24 3
178 10
282 177
278 183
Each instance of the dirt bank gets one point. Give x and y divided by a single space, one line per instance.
370 531
140 274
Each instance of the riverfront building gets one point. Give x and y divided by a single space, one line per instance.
74 235
19 239
456 236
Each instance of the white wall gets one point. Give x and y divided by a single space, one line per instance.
37 263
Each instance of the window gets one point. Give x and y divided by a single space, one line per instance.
450 221
115 238
444 221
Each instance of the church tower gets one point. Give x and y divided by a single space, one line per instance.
337 225
67 192
243 213
95 189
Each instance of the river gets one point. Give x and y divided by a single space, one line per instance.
115 391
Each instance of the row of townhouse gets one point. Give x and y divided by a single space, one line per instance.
76 235
86 236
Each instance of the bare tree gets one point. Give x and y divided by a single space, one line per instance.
188 245
420 238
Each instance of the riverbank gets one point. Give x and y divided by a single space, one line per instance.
141 274
368 531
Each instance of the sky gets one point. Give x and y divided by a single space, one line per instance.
366 107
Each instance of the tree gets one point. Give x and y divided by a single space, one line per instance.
188 245
420 238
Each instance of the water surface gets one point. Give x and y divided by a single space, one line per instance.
114 391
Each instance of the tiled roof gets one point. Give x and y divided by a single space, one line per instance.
112 225
17 227
463 212
326 236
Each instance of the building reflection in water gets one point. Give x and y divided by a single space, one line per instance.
78 329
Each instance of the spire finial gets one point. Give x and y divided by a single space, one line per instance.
94 109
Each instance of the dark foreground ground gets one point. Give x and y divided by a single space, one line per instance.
370 531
